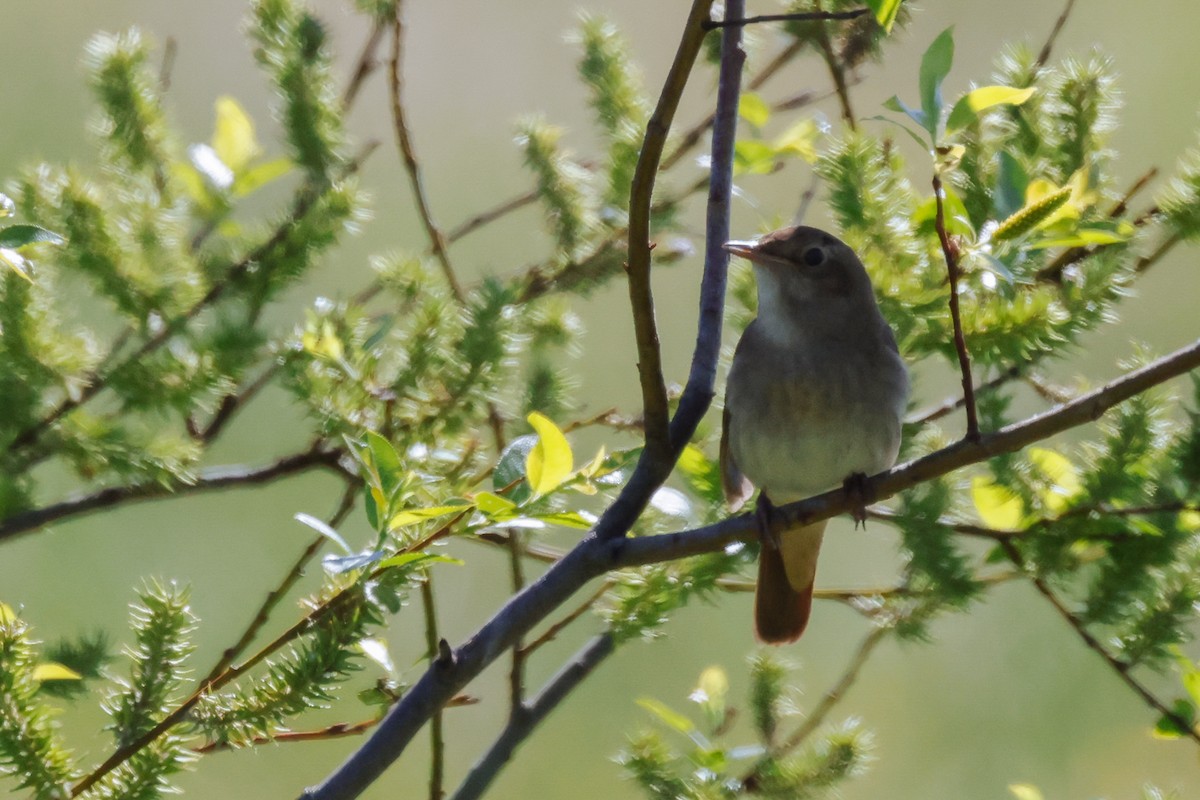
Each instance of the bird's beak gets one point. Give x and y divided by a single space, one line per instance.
745 249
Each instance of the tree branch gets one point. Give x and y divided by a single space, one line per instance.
437 744
520 726
641 297
215 478
950 251
437 241
1122 668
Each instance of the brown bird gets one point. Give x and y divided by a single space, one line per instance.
815 397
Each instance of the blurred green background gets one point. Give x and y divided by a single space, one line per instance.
1004 694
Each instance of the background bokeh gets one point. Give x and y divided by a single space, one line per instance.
1003 694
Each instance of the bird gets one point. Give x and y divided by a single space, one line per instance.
814 399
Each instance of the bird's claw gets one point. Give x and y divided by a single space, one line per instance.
858 492
764 514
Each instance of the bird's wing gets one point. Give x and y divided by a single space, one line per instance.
737 486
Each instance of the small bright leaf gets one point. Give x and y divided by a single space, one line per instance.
1168 728
260 175
970 104
998 507
1025 791
493 505
53 671
753 109
702 474
550 461
411 516
1061 473
666 715
7 614
712 687
17 263
233 135
386 462
322 528
799 140
752 157
935 66
885 12
414 559
567 519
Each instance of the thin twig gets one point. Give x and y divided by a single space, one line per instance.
235 402
317 456
950 251
954 403
1122 668
366 63
1048 47
552 632
489 216
519 728
602 551
516 674
437 241
437 743
838 74
641 297
801 16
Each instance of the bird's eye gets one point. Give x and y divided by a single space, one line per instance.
814 256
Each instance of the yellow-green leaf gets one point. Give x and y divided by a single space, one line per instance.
970 104
233 135
7 614
17 263
1061 474
550 461
260 175
998 507
1039 211
885 12
53 671
493 505
1025 791
713 686
800 140
752 157
667 715
753 109
411 516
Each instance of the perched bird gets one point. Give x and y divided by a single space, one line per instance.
815 397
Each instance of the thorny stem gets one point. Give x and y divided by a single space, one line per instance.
950 251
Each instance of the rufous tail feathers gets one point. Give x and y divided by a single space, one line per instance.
783 598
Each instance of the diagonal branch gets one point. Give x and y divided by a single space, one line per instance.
213 479
950 251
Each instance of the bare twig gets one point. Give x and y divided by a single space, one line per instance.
1048 47
838 74
437 744
950 251
366 63
1122 668
437 241
483 218
520 726
516 675
802 16
600 553
641 297
316 457
554 630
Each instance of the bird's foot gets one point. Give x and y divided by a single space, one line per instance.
764 515
858 491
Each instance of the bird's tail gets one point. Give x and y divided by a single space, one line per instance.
783 598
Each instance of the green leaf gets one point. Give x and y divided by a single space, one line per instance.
996 505
970 104
935 66
411 560
753 109
752 157
885 12
15 236
550 461
260 175
894 103
567 519
1025 791
1011 184
669 717
233 135
412 516
1084 237
1168 728
701 473
511 466
324 529
493 506
386 462
53 671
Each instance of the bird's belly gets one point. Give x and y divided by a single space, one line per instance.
799 442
